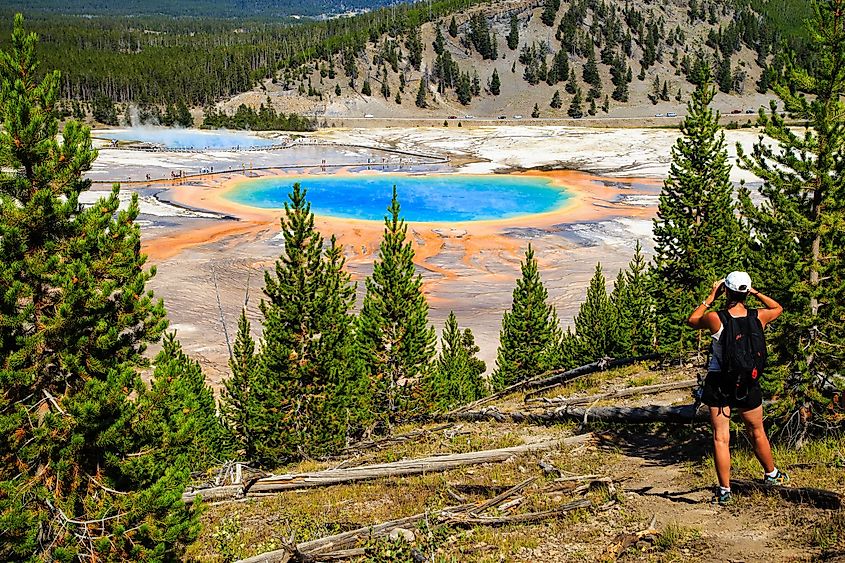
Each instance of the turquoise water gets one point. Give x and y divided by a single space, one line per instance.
175 138
431 198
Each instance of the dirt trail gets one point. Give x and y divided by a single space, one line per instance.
658 483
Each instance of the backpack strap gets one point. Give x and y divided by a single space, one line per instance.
723 318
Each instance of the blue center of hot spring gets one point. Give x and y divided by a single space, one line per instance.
432 198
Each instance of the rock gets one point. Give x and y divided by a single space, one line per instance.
402 533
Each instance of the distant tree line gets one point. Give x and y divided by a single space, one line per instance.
264 119
162 60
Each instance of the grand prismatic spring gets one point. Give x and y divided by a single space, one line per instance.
425 198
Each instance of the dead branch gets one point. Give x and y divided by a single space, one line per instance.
277 483
499 499
337 546
393 440
619 393
819 498
49 396
552 378
517 518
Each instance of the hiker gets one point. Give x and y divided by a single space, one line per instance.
737 361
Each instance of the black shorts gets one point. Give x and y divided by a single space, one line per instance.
719 392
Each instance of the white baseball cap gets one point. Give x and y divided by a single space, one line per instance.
738 281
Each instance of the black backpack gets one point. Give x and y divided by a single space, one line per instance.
743 350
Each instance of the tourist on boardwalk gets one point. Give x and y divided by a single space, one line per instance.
733 375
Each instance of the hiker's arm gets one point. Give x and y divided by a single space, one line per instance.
700 318
772 310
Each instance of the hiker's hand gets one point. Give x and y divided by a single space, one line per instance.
717 288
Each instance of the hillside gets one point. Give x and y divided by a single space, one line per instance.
615 56
636 59
642 494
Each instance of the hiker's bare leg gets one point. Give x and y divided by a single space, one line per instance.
753 420
720 418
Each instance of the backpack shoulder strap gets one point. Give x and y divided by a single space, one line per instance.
723 318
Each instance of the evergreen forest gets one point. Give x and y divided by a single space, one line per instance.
94 457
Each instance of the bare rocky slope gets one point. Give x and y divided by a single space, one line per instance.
679 36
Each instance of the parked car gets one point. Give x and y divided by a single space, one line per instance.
750 111
369 116
658 115
737 111
503 117
469 117
671 114
517 117
453 117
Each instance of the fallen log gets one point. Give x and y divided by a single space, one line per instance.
819 498
622 415
556 380
617 394
554 375
277 483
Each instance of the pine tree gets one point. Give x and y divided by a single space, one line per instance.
596 322
495 83
572 83
536 112
724 75
464 89
365 89
591 70
297 378
439 44
76 320
575 110
559 70
337 89
415 47
530 337
179 411
654 95
421 103
592 109
453 27
556 102
183 115
618 302
237 403
697 235
394 340
398 98
456 377
513 36
635 307
385 86
798 229
549 12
